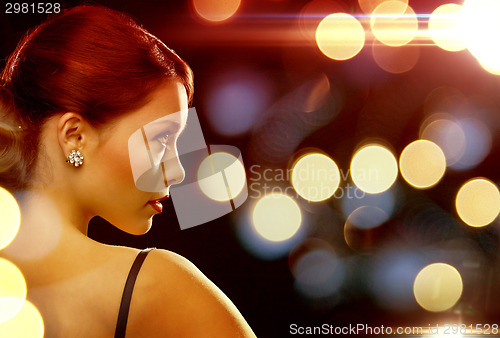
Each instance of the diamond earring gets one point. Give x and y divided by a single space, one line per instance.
75 158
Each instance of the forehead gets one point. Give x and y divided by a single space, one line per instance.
168 103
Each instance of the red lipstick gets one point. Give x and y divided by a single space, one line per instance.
156 205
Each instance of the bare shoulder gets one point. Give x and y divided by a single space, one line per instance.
172 297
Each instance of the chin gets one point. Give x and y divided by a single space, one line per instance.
136 228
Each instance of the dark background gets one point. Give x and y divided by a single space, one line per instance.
374 104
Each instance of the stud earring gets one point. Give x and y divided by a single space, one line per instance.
75 158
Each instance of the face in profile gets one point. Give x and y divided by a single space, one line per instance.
136 161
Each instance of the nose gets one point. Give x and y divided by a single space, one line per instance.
176 173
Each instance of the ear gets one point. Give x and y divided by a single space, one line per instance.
72 130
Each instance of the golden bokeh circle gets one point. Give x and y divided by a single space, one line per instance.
340 36
374 169
438 287
315 177
10 218
478 202
12 289
216 10
221 176
422 164
394 23
276 217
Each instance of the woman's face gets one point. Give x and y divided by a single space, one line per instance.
135 161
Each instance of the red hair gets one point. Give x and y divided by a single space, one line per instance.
90 60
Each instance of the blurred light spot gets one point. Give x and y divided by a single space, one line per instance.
357 227
448 135
221 176
392 277
489 69
340 36
277 217
258 246
368 6
313 12
438 287
396 60
478 142
317 270
216 10
394 23
12 290
315 177
386 201
236 101
445 27
320 90
374 169
445 100
28 323
443 332
478 202
480 26
422 164
10 219
367 217
33 242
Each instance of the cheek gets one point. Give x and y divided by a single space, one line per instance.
113 167
118 165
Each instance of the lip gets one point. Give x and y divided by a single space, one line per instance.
163 198
156 205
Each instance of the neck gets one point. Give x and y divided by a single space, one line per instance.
47 227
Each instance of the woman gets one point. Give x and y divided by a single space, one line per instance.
73 92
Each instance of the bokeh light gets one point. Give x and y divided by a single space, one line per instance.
386 200
480 26
447 134
318 272
422 164
374 169
396 60
28 323
319 93
367 217
438 287
236 100
478 202
315 177
445 27
313 12
478 142
12 290
216 10
494 71
368 6
276 217
392 276
340 36
221 176
394 23
358 226
10 219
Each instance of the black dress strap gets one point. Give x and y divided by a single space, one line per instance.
121 324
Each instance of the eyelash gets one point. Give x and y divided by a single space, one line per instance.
163 140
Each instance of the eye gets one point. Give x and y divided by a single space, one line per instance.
163 140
